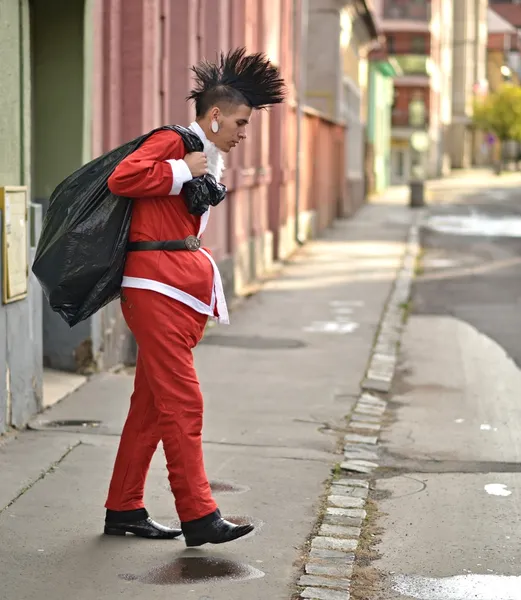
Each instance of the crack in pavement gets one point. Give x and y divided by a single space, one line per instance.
100 434
42 475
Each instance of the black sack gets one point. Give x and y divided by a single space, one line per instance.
81 252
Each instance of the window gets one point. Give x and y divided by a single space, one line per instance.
400 164
418 45
417 111
396 95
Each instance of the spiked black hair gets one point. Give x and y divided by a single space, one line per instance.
236 79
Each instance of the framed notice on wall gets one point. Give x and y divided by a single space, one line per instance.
14 250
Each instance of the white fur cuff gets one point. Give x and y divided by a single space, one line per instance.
180 173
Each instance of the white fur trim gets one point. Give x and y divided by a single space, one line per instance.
180 174
213 155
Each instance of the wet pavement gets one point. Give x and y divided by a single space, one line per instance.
277 383
449 492
194 569
477 587
477 234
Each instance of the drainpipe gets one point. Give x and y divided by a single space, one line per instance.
299 67
23 136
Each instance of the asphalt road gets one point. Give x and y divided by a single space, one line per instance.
474 272
450 492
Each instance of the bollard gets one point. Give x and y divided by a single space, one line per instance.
416 194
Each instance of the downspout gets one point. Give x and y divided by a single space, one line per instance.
23 137
299 68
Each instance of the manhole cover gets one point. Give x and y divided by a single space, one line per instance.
196 570
253 342
224 487
73 423
227 487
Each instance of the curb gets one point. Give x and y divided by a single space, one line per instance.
331 560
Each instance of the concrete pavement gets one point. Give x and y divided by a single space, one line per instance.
451 491
278 384
449 488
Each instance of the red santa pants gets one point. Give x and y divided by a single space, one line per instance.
166 405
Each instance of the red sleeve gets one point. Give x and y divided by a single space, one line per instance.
145 172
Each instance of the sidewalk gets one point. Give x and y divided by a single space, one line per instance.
278 384
475 178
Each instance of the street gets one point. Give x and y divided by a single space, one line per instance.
441 467
449 488
279 243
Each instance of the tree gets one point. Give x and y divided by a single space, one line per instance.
500 113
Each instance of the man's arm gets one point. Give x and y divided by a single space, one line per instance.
156 168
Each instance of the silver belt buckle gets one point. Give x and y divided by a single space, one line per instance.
192 243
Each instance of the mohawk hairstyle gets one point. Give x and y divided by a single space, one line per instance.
237 79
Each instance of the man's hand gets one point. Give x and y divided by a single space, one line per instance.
197 163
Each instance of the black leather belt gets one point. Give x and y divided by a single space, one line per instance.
191 243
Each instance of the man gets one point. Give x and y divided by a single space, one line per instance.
167 297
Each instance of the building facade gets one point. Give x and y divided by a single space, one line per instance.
470 63
510 10
503 52
503 66
419 38
82 77
339 35
20 321
381 98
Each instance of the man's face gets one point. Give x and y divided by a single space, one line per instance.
232 127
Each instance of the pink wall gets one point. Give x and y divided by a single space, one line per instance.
144 50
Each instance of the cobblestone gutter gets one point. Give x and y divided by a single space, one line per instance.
329 566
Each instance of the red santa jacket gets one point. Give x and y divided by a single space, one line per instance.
153 176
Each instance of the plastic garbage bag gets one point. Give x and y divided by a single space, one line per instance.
81 252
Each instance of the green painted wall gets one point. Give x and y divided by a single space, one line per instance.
15 93
20 322
372 100
379 124
61 132
58 109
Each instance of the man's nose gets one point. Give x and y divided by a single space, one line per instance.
242 135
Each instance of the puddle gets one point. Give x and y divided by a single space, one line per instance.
476 224
439 263
343 322
497 489
347 303
332 327
245 520
343 310
190 570
73 423
226 487
461 587
487 427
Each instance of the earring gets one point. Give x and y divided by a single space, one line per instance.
215 126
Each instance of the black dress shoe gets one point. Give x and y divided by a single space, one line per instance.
139 523
212 529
